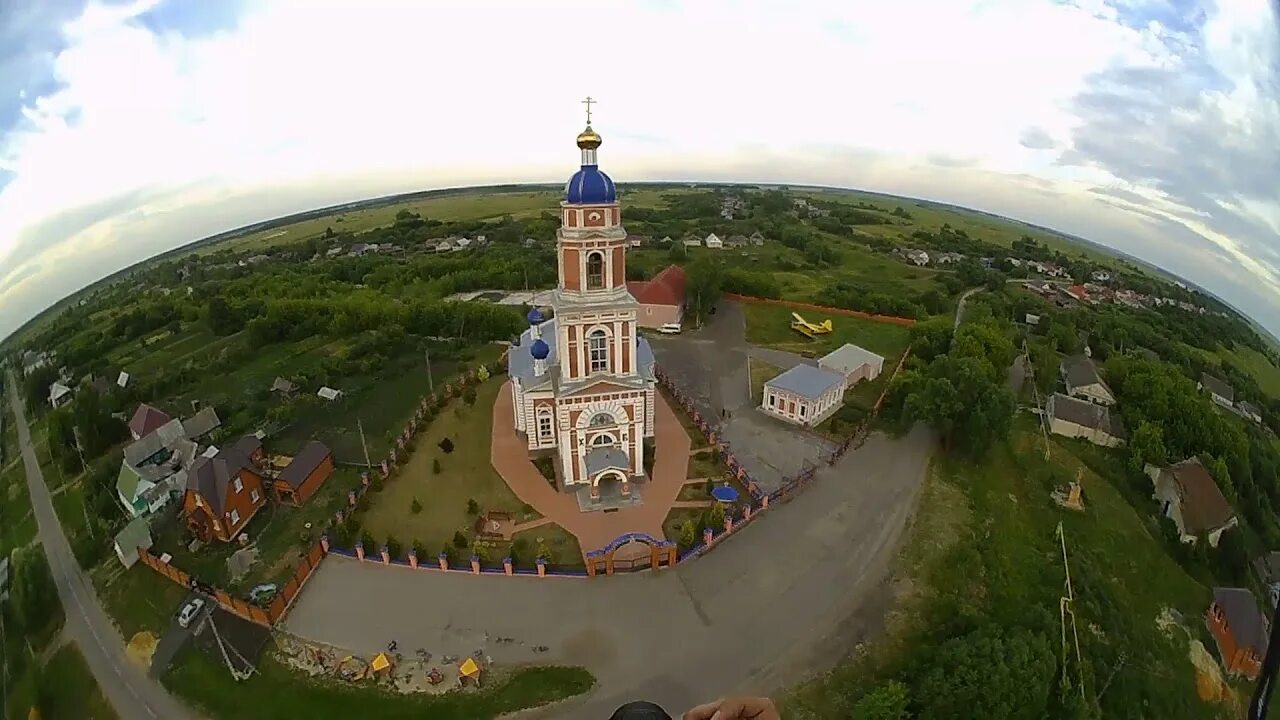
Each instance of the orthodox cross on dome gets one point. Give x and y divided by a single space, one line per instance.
588 102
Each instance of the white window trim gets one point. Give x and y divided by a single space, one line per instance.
254 495
235 516
598 333
549 430
238 485
604 271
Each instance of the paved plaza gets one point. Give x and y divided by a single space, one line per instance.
785 597
710 364
594 530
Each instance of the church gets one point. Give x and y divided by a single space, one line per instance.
583 381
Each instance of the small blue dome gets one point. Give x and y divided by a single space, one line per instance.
535 316
590 186
539 349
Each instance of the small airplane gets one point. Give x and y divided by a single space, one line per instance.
808 329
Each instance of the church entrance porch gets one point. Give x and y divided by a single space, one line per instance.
609 490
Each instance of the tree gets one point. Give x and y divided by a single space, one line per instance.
886 702
688 534
33 596
469 395
435 466
965 399
459 540
1233 557
1008 674
703 278
1146 446
219 316
394 549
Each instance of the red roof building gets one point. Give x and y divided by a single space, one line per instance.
662 298
145 420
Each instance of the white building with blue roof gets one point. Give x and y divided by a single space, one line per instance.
583 382
804 395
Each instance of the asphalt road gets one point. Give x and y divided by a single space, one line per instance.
131 693
786 597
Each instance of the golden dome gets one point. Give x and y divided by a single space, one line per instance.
589 139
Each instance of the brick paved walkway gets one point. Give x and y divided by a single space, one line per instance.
594 530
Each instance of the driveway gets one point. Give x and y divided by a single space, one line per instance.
711 364
787 596
175 636
131 693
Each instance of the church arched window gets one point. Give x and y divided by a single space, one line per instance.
598 346
601 419
602 440
595 271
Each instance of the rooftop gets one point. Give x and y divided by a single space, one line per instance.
849 357
806 381
304 463
1204 507
1247 624
1217 386
1080 371
1085 414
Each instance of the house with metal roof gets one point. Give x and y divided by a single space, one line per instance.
1221 392
1083 381
661 299
804 395
1239 629
154 469
853 362
1073 417
1189 496
134 537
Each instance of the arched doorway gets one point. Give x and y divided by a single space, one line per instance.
624 553
610 484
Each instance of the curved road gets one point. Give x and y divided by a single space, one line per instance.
788 596
133 695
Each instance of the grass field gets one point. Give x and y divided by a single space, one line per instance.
984 545
1257 365
17 522
465 474
277 693
770 326
696 439
761 373
73 695
137 599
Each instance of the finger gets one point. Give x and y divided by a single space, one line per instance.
702 712
730 709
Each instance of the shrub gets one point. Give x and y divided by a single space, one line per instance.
420 549
469 395
519 549
366 539
547 466
394 549
688 534
450 552
527 509
543 550
435 466
415 507
714 518
459 540
473 507
340 535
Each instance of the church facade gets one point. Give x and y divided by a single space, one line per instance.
583 382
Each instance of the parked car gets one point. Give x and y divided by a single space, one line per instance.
262 594
670 329
190 611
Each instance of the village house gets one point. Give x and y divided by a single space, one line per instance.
282 386
154 469
919 257
1190 497
201 424
1219 390
32 361
756 239
1249 411
462 243
736 241
804 395
134 537
691 241
1076 418
304 474
713 241
333 252
853 362
1082 380
635 240
949 258
145 420
666 240
661 298
328 393
1013 261
445 246
1100 276
1240 631
224 491
59 394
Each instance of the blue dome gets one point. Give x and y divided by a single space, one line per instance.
539 349
591 186
534 316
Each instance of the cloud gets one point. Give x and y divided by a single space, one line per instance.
1036 139
150 124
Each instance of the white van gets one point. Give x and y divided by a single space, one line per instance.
670 329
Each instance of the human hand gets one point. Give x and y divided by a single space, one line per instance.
737 708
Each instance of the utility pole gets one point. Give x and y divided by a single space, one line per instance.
1066 607
367 463
431 383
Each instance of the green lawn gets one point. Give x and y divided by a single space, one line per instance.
466 473
17 522
138 598
706 464
563 546
761 373
696 439
983 550
1257 365
770 326
72 693
276 693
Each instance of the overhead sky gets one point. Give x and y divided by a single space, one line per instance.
130 128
